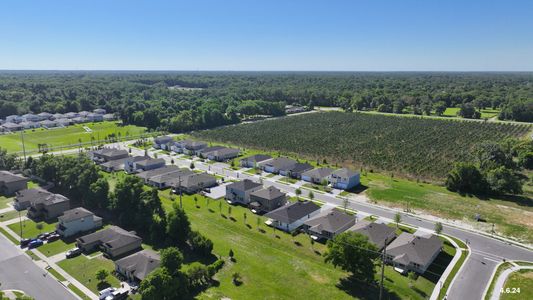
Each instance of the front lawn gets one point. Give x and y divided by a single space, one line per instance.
84 270
29 229
56 247
9 236
4 201
11 215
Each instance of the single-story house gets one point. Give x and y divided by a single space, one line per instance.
277 164
13 119
317 175
223 154
49 207
240 191
24 197
45 115
11 183
30 118
296 170
29 125
191 147
83 113
109 117
254 160
71 115
119 164
79 120
58 116
161 142
267 199
203 152
137 266
344 179
108 154
77 220
99 111
48 124
194 183
413 252
113 241
146 175
92 117
292 216
328 225
145 165
378 233
63 122
10 126
165 180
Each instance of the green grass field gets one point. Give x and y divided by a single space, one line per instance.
485 113
4 201
56 247
78 292
67 136
56 275
84 270
9 236
29 229
10 215
522 280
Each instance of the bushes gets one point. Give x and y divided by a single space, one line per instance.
200 244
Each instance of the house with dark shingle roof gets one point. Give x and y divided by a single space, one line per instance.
292 216
108 154
137 266
193 183
146 164
223 154
344 179
24 198
329 224
254 160
161 142
48 207
113 241
77 220
267 199
189 147
166 180
205 151
317 175
239 192
276 165
146 175
377 233
11 183
296 170
120 164
413 252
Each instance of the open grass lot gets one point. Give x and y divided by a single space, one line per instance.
84 270
67 136
417 146
276 263
56 247
512 216
29 229
4 201
522 280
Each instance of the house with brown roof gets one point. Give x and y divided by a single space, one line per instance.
48 207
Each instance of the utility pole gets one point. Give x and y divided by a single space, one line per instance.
179 181
23 146
382 269
20 224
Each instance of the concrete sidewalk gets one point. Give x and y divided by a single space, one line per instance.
500 282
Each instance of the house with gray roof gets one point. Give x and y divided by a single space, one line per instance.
205 151
193 147
166 180
108 154
10 127
193 183
254 160
11 183
30 118
45 115
292 216
109 117
77 220
63 122
223 154
48 207
146 175
317 175
276 165
344 179
112 241
48 123
161 142
413 252
119 164
29 125
92 117
378 234
328 224
71 115
24 197
144 165
99 111
296 170
58 116
267 199
239 192
137 266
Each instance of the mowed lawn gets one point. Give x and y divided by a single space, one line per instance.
513 217
275 263
29 228
84 270
522 280
4 201
67 136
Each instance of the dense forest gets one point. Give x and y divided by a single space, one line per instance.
182 101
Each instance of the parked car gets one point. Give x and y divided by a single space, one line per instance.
53 237
24 242
73 252
103 294
43 236
35 243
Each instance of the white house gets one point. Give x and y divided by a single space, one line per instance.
344 179
77 220
292 216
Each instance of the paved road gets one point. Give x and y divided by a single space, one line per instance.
19 272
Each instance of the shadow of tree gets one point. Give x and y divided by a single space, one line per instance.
364 290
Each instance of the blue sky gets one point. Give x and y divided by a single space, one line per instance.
358 35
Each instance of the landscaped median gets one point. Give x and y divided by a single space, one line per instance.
447 278
517 285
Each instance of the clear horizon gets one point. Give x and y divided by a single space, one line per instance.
279 36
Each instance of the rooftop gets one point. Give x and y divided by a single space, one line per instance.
292 212
332 221
140 264
75 214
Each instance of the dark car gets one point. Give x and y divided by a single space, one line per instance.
73 252
24 242
35 243
53 237
43 236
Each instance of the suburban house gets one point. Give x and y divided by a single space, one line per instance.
328 225
108 154
109 117
9 126
344 179
49 207
31 118
113 241
194 183
205 151
92 117
29 125
239 192
71 115
146 164
48 124
223 154
24 198
45 115
192 147
77 220
63 122
119 164
165 180
317 175
13 119
254 160
378 234
11 183
292 216
277 164
161 142
146 175
137 266
99 111
413 252
267 199
58 116
296 170
83 113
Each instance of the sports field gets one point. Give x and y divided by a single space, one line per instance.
72 135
